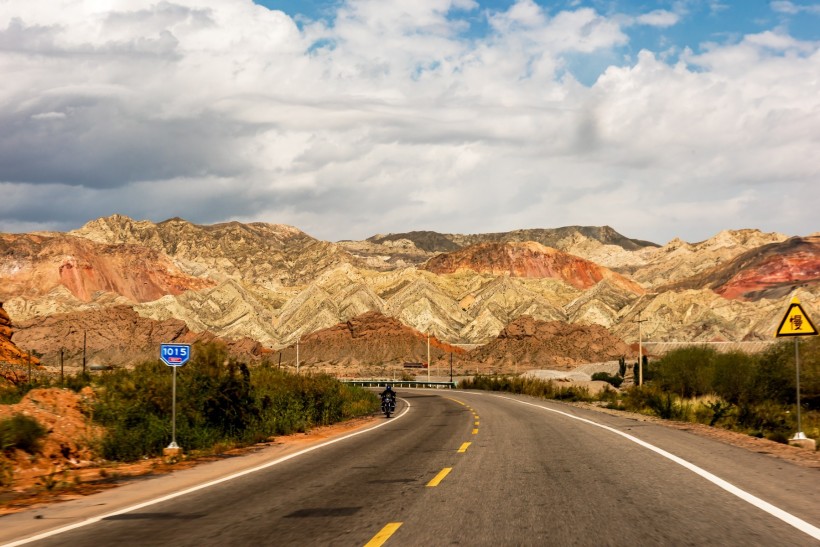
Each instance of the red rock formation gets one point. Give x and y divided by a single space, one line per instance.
527 259
528 343
12 358
768 271
773 270
36 264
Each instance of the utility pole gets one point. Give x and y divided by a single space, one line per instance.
84 338
451 368
297 355
428 357
62 372
799 434
640 349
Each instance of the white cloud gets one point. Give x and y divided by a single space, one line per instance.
790 8
659 18
388 118
49 116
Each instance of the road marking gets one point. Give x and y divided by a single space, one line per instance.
477 424
440 477
202 486
773 510
475 416
475 431
383 535
463 448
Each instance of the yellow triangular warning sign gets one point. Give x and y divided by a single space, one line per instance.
796 322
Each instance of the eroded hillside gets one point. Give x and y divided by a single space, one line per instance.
274 284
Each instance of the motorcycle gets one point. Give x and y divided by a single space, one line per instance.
388 405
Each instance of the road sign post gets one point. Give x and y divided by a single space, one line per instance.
174 355
796 322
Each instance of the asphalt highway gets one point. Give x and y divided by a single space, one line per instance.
467 468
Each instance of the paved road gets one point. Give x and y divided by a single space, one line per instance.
533 474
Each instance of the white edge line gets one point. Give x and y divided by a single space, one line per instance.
788 518
202 486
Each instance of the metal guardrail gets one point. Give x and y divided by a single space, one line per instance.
401 383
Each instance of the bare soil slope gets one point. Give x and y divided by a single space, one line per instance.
527 343
117 336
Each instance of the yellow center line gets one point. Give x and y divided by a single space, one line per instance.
440 477
383 535
475 416
463 448
477 424
475 431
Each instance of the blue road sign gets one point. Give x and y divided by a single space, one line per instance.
174 355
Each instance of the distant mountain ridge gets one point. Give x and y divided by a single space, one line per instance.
434 242
773 270
275 284
526 259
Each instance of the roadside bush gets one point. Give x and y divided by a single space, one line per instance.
776 379
733 376
615 380
22 432
687 372
219 401
719 410
545 389
768 419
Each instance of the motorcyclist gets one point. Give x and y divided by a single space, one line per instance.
388 392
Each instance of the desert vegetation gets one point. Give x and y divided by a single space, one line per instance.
527 386
750 393
221 403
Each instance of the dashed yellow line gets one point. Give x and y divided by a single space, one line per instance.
476 424
463 448
440 477
475 431
383 535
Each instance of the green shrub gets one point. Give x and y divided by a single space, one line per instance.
220 401
545 389
687 372
720 410
733 376
615 380
21 432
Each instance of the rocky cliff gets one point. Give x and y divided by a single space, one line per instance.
527 343
37 265
274 284
527 259
369 339
773 270
14 361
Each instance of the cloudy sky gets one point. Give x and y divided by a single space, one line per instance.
347 118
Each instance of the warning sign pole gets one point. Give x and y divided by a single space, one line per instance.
796 323
799 435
